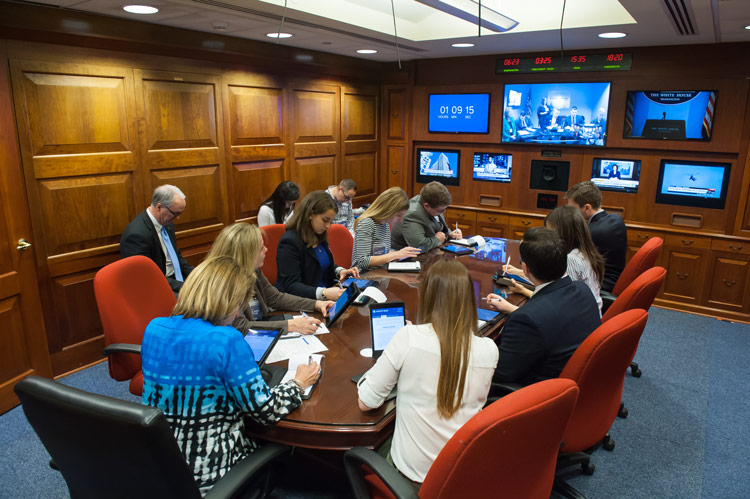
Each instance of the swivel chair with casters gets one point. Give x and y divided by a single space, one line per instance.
341 242
508 448
272 237
106 447
129 294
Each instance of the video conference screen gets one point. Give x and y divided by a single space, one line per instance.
670 114
492 167
698 184
459 113
438 164
556 113
619 175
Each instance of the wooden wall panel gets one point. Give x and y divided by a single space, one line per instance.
397 113
202 186
253 182
315 128
360 144
15 357
316 115
396 165
256 115
312 174
363 169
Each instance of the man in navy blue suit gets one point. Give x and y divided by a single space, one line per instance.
540 336
607 229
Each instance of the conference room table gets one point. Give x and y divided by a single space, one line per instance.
331 419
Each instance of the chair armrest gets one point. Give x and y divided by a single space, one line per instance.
498 390
607 299
396 483
122 348
247 472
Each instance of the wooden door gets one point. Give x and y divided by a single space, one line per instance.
686 258
23 344
359 140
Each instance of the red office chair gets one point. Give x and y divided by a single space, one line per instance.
509 448
644 259
341 242
273 236
597 366
129 293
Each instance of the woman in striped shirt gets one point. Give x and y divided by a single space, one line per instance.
372 231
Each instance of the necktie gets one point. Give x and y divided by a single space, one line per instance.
172 254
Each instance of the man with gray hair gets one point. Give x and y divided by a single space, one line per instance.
151 234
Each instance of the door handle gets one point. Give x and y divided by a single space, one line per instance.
23 245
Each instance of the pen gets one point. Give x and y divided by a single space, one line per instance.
309 359
303 313
456 225
507 262
303 339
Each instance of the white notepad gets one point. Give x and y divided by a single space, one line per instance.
404 267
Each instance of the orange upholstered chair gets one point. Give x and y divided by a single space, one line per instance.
273 235
598 366
129 294
644 259
508 449
341 242
640 293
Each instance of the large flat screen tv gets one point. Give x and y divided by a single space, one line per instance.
699 184
618 175
556 113
670 114
459 113
438 164
492 167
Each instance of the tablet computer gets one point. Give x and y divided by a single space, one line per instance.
346 299
488 316
459 250
385 321
362 283
261 342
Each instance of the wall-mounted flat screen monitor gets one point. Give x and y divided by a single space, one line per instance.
438 164
618 175
670 114
556 113
459 113
699 184
492 167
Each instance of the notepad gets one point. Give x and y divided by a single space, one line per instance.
472 242
404 267
297 360
286 348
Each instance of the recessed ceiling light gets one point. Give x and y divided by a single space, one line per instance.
462 45
367 51
747 27
279 35
140 9
613 34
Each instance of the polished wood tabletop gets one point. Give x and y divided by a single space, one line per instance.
331 418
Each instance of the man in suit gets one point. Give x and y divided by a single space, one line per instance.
607 229
424 226
151 234
574 119
540 336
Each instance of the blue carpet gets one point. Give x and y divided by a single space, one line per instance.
686 435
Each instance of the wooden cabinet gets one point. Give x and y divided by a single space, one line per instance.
728 275
466 220
685 258
518 225
636 239
492 224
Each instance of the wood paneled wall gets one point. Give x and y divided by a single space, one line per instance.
99 130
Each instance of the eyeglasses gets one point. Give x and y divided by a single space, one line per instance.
172 212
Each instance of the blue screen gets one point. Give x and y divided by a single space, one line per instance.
459 113
486 315
620 175
441 164
341 302
259 341
675 115
386 322
493 167
556 113
692 180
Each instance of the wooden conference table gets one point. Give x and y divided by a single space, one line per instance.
331 418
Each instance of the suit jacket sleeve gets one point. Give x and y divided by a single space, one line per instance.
290 259
139 240
245 321
520 348
273 298
415 233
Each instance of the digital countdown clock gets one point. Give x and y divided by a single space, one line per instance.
615 61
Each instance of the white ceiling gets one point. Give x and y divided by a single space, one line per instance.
343 26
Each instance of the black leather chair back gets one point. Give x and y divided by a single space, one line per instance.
106 447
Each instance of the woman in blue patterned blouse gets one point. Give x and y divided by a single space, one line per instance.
199 371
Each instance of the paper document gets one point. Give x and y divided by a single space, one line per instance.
404 267
476 241
375 294
304 345
322 329
294 362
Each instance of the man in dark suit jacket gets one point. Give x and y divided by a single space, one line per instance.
424 226
143 235
574 119
607 229
540 336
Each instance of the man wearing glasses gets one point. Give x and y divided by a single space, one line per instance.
343 195
151 234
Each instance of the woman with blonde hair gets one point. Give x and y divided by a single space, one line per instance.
244 242
372 231
304 263
201 373
442 371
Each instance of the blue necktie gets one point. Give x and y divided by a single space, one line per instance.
172 254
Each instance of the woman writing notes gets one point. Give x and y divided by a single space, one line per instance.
244 243
304 264
372 231
278 208
441 370
201 374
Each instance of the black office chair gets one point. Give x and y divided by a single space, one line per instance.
112 448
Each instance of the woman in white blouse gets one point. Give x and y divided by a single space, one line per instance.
279 207
442 371
372 231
